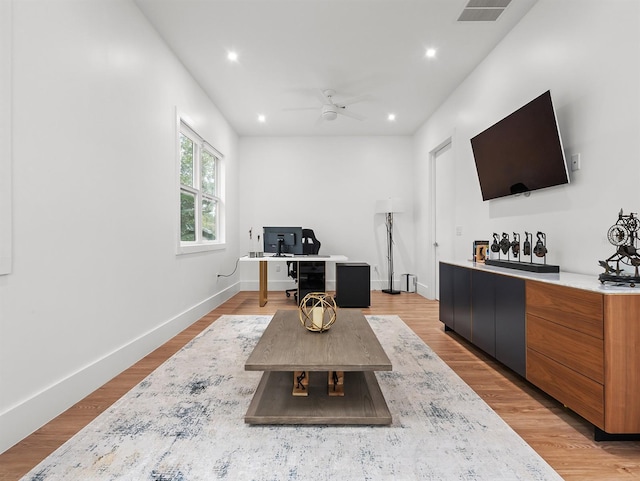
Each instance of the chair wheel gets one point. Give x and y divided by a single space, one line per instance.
288 294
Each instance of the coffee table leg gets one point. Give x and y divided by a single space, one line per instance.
336 383
300 383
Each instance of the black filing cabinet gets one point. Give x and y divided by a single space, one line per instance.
353 284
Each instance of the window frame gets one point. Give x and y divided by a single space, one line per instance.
200 144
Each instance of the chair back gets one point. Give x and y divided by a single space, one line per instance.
310 245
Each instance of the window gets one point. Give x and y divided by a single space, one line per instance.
200 200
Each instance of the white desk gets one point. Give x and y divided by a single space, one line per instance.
270 258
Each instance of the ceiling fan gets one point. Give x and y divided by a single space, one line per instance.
330 109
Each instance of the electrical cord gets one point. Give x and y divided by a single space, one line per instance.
234 270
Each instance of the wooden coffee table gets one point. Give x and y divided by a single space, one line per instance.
350 346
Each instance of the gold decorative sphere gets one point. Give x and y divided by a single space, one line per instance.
317 311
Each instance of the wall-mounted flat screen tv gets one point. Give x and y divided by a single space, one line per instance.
522 152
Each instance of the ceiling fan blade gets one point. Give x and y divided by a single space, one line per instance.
347 113
353 100
299 108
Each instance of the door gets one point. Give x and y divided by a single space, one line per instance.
446 296
462 302
443 207
511 349
483 311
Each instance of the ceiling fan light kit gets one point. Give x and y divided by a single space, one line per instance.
330 110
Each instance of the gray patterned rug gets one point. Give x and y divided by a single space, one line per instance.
186 422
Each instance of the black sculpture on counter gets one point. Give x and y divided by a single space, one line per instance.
515 245
504 243
526 246
540 249
512 249
495 247
623 235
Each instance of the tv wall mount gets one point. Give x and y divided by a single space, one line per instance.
624 235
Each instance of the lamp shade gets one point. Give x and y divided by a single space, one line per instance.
392 204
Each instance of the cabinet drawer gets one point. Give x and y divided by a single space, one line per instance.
577 392
574 349
574 308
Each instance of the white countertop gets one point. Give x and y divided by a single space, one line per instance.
568 279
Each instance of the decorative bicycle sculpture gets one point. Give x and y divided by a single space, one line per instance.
623 235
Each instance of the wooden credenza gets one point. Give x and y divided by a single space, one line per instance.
580 341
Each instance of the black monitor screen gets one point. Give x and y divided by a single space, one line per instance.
283 240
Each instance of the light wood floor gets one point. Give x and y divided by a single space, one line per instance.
562 438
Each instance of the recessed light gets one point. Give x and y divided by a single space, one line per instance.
391 117
262 119
232 56
430 53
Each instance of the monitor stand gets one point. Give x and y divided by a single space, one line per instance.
279 251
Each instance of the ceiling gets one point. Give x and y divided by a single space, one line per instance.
289 50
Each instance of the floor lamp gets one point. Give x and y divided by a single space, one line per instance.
388 207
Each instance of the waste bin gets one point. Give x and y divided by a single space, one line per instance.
408 283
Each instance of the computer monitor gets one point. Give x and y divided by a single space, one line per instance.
283 240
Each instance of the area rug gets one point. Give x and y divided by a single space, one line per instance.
185 421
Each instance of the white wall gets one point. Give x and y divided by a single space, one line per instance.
586 52
6 36
329 184
96 283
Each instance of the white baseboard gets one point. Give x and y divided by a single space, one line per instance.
19 421
423 290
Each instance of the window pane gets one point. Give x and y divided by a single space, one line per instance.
187 216
209 217
208 173
186 160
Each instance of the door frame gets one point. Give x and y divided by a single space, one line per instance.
433 154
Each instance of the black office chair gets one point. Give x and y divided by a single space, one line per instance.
310 246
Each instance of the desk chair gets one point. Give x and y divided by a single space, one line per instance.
310 246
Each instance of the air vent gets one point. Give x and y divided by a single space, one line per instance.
483 10
488 3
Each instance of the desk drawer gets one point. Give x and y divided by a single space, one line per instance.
574 308
577 392
574 349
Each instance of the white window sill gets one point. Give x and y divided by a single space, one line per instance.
194 248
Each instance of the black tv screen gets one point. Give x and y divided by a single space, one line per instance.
522 152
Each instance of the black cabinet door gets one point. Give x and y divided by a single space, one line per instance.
446 295
510 323
462 301
483 302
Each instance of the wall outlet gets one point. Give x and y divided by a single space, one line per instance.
575 162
